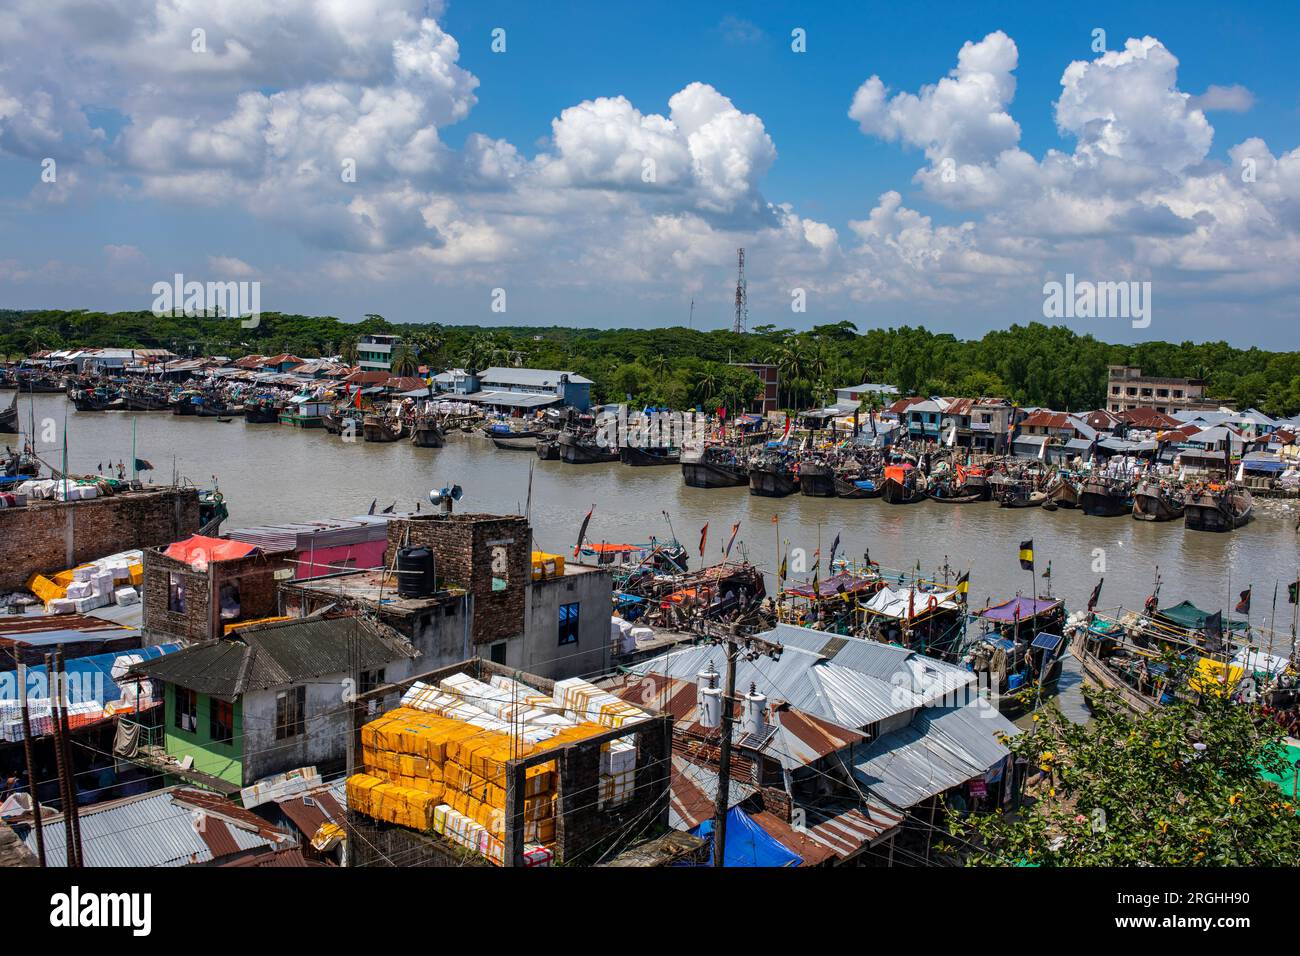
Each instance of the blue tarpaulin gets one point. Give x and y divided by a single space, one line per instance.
748 844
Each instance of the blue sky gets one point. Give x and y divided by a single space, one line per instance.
523 170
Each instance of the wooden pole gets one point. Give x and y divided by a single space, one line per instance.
31 768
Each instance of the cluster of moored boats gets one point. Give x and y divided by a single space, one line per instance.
901 476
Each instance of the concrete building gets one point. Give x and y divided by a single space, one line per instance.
1128 389
770 376
486 601
375 352
198 589
854 394
521 389
268 699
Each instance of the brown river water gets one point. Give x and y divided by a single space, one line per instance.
273 473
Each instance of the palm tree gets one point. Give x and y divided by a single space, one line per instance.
348 351
404 360
706 385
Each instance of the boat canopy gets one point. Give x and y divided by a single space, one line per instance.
1188 615
842 583
894 603
1021 608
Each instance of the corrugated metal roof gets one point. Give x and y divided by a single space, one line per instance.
156 829
534 377
276 655
940 749
695 793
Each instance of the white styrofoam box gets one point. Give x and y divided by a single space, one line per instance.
640 635
126 596
618 756
60 606
85 573
79 589
94 602
120 570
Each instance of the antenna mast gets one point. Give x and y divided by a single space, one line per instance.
742 296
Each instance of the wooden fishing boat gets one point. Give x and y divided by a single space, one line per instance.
713 467
9 417
977 482
1063 494
40 385
584 449
186 404
140 400
1153 501
895 492
958 499
1106 497
1021 496
816 479
1217 508
427 433
90 400
262 411
214 408
1085 648
643 457
548 449
525 443
383 428
771 478
858 487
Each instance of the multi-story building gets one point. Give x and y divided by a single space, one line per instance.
375 352
1128 389
770 376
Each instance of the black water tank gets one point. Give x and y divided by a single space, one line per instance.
415 572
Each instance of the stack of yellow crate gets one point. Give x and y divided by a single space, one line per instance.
443 774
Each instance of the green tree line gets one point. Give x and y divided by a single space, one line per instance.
677 367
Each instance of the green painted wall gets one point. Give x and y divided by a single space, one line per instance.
216 759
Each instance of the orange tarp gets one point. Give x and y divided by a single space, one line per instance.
208 549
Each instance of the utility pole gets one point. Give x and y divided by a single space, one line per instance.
31 768
750 648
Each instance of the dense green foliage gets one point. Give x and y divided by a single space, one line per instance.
1033 364
1179 786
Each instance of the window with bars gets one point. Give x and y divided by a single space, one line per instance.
569 623
221 720
290 712
186 710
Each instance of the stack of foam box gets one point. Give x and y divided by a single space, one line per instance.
41 717
110 580
584 701
442 743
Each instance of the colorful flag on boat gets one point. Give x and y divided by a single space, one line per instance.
1096 595
1027 554
704 537
1243 606
732 540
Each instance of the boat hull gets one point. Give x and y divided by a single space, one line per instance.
705 474
847 489
382 430
262 415
526 443
648 457
1147 507
894 493
1205 513
574 452
817 481
1104 502
428 435
771 484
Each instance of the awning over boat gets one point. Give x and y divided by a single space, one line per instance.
1021 608
891 603
510 399
1187 615
842 583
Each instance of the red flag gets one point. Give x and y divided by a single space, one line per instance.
722 412
704 536
732 540
358 395
785 433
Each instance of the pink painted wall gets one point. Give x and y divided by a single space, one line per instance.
312 564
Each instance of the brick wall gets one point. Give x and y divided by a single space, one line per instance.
473 551
258 594
51 536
